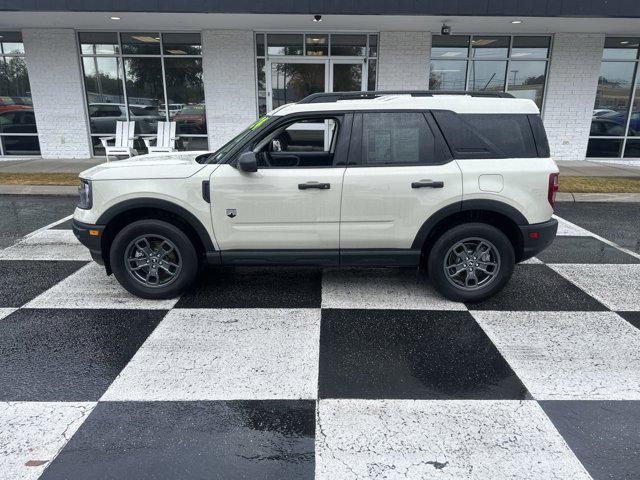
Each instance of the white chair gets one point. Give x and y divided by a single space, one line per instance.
123 141
165 140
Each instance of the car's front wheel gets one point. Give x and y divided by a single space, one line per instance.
471 262
153 259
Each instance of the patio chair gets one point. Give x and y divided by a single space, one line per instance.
123 141
165 140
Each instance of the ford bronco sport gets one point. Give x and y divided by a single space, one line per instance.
459 184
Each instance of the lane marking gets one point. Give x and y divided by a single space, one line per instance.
47 227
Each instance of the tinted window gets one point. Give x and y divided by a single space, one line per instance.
511 134
396 138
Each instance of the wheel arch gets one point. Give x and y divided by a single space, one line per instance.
498 214
127 211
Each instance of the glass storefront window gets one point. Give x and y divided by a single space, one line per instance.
284 44
131 86
349 45
317 45
514 64
616 111
448 75
18 131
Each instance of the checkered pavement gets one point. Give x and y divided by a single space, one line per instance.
336 374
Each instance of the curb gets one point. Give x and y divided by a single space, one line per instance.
63 190
598 197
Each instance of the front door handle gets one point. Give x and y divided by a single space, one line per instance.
427 184
319 186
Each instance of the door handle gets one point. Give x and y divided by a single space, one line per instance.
319 186
427 184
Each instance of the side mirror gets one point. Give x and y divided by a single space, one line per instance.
247 162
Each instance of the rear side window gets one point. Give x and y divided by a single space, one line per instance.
488 135
396 138
509 133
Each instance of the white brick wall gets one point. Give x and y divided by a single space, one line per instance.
571 92
229 83
56 88
404 60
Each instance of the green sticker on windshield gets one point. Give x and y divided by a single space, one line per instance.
258 122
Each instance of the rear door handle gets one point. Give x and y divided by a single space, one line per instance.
427 184
319 186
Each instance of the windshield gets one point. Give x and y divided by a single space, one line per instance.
216 156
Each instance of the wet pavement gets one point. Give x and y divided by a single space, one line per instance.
331 374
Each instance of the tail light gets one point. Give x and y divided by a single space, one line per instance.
553 188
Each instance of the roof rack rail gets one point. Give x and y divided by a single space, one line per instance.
331 97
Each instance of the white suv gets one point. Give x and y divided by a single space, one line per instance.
461 185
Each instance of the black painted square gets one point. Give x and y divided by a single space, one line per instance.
23 280
566 249
538 287
632 317
604 435
245 287
411 354
178 440
68 355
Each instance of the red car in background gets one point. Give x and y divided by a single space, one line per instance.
191 119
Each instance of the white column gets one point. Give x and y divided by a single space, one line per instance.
56 88
229 83
571 92
403 62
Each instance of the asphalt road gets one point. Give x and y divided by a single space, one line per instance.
618 222
21 214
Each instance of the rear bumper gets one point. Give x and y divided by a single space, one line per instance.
537 237
93 240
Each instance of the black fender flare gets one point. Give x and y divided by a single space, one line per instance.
466 205
159 204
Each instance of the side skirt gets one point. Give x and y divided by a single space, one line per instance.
351 257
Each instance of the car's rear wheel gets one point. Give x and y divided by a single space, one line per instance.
153 259
471 262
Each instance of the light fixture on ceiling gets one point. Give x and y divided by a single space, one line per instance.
114 18
317 18
624 43
516 22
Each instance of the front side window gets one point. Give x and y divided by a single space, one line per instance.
300 143
396 138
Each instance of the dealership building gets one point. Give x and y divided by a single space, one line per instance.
70 69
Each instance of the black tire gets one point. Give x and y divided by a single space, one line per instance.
441 250
185 256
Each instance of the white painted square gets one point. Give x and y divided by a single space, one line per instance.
567 228
532 261
568 355
616 286
424 439
47 245
225 354
5 312
32 433
382 288
91 287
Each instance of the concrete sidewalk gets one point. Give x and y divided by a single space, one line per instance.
586 168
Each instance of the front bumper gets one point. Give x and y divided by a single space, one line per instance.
537 237
91 237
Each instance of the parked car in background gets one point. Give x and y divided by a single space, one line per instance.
191 119
173 109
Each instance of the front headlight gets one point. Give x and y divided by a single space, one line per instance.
85 193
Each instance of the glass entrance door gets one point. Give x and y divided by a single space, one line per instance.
348 76
289 82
